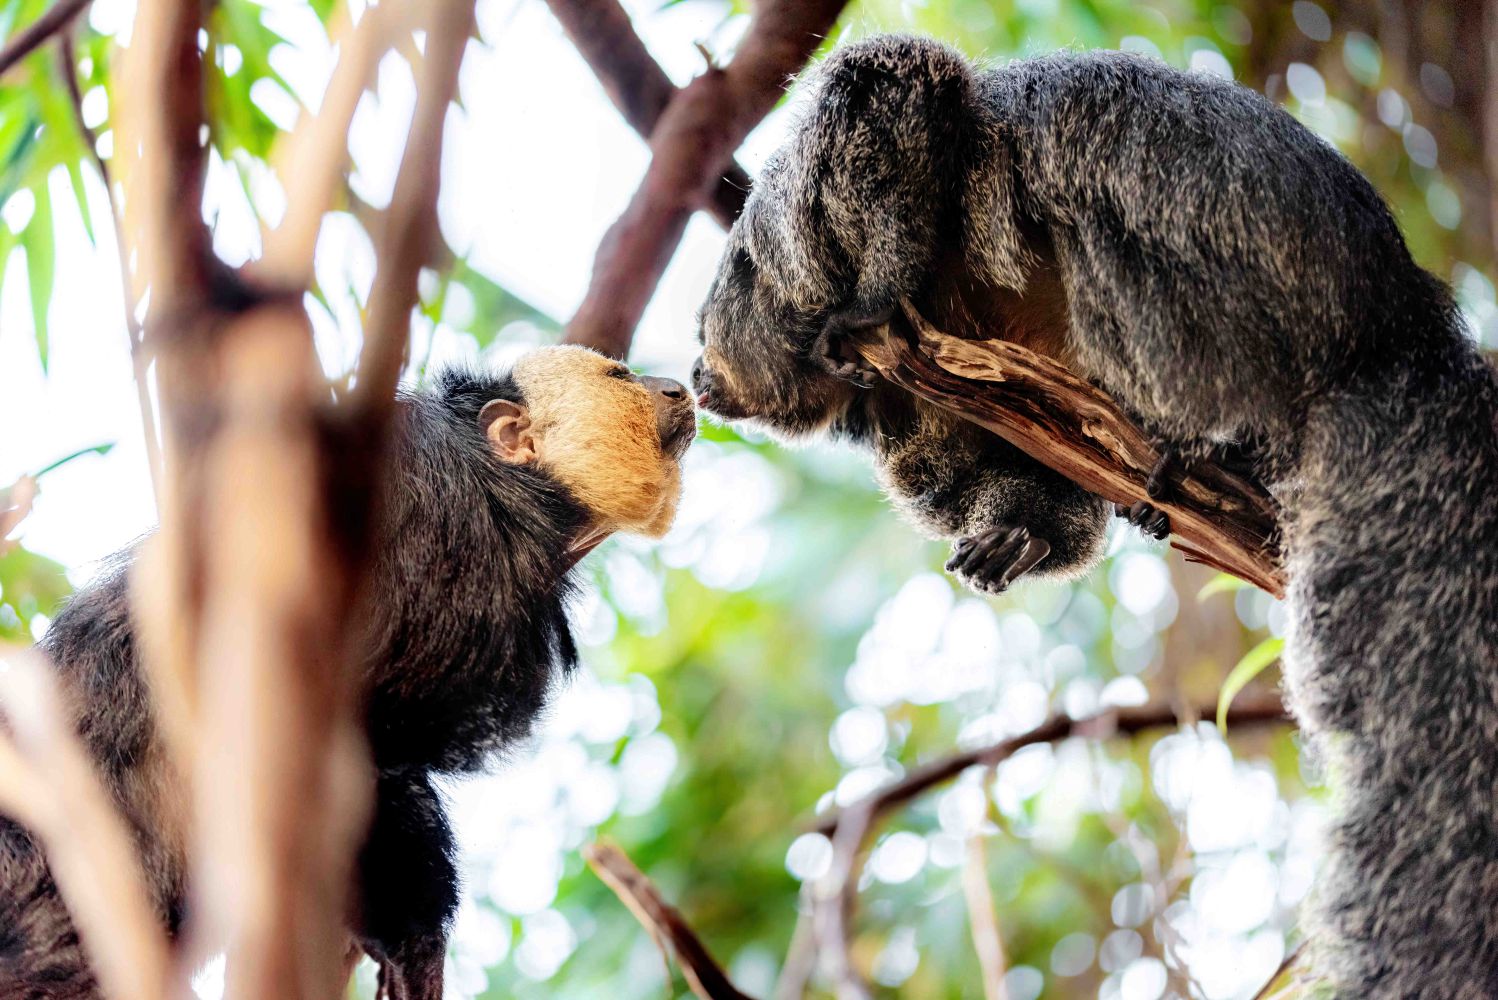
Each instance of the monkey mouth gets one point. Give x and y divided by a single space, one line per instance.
679 432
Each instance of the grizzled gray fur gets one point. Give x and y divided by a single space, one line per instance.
1231 278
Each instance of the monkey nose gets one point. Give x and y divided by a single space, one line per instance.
667 387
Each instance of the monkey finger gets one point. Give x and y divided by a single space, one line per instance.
992 565
1034 551
1158 483
969 554
1159 525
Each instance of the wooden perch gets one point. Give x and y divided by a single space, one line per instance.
1216 517
704 975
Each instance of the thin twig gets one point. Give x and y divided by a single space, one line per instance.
133 330
408 238
983 920
603 34
312 161
703 974
15 506
1290 959
1116 722
835 898
691 144
49 784
801 956
34 35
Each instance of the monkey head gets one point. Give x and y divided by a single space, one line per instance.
614 439
767 306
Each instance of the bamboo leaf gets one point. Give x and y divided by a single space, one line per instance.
98 449
41 254
1251 666
1222 583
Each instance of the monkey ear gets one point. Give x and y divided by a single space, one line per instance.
507 425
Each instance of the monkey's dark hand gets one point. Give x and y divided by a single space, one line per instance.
1179 459
413 973
991 561
1145 517
832 353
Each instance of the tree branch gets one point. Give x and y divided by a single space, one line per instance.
312 161
603 34
835 894
162 156
691 144
1105 725
49 784
133 329
705 977
1060 420
983 920
34 35
409 237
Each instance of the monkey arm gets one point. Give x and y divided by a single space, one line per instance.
408 885
1009 514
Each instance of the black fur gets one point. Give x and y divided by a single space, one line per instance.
1232 279
467 635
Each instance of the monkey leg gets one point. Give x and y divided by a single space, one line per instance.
409 887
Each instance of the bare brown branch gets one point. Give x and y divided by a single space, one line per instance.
48 783
1059 419
983 920
1118 722
691 144
139 364
835 899
34 35
603 34
704 975
408 239
15 505
160 149
312 161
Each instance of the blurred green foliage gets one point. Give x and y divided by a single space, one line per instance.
793 644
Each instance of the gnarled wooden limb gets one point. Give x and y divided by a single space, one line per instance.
1061 420
602 33
706 978
691 145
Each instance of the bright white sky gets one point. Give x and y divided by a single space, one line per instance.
537 165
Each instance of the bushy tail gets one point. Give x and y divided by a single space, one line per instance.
40 957
1393 670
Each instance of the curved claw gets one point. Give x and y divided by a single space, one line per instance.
831 353
993 560
1146 517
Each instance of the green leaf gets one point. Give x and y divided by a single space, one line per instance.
41 259
75 174
1251 666
1222 583
98 449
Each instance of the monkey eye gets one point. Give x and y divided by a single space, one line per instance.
621 372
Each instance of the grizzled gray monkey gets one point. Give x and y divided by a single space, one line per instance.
1233 280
